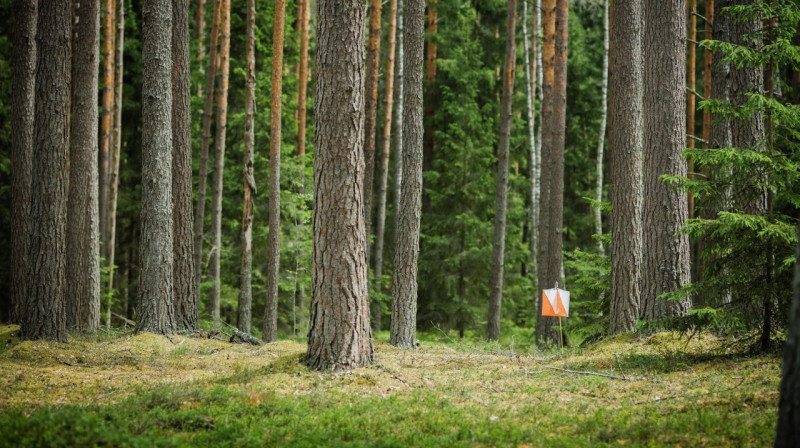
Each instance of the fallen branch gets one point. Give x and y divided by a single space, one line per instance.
124 319
244 337
581 372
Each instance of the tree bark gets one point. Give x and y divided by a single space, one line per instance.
601 139
691 83
533 161
625 145
200 26
219 159
23 82
383 181
245 288
666 250
431 52
553 122
501 199
106 122
83 261
202 177
156 310
184 286
398 120
404 281
339 335
788 432
44 313
270 330
302 94
114 164
371 109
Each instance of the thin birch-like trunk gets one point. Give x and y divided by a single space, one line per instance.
601 139
533 161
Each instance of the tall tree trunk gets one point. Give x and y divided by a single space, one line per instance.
666 250
431 52
699 263
371 109
23 83
691 83
305 19
44 313
183 278
601 139
533 161
501 200
114 165
398 120
553 122
383 181
404 281
339 335
83 261
106 122
200 27
219 159
536 147
270 330
245 288
202 177
625 145
156 310
788 432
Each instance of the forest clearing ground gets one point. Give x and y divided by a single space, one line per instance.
147 390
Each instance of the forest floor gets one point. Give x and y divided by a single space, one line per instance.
147 390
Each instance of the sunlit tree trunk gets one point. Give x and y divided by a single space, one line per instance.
219 159
23 84
601 139
200 28
625 147
530 91
404 282
83 259
383 180
501 199
270 330
156 311
666 250
339 335
371 108
106 122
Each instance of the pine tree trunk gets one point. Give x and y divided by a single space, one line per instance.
788 432
404 281
245 288
691 100
219 160
83 260
183 276
23 83
339 335
200 27
601 139
114 165
305 19
371 109
202 177
383 181
398 120
44 313
156 311
666 250
270 330
703 206
106 122
625 145
553 122
501 200
431 52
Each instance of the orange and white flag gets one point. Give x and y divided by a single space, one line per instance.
555 302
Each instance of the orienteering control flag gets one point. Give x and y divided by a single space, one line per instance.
555 302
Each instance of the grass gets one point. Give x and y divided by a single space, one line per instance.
146 390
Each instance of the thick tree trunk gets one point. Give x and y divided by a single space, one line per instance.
601 139
156 310
383 181
404 281
83 260
788 432
431 52
200 27
202 177
270 330
553 122
219 159
106 122
44 313
625 145
371 109
23 83
245 288
666 250
184 287
501 199
114 164
339 335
